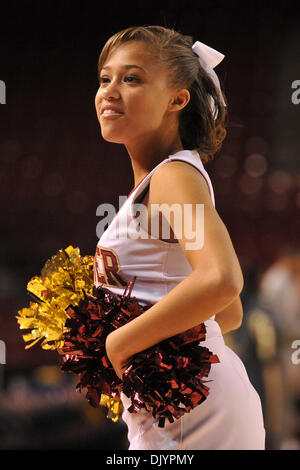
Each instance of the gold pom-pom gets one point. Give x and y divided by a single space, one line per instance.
114 405
62 280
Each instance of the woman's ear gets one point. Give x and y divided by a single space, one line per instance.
180 100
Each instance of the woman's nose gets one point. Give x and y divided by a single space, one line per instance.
110 90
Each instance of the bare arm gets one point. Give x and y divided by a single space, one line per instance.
213 285
230 318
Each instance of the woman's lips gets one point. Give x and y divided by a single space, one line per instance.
111 115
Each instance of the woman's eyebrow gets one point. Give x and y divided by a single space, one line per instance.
126 66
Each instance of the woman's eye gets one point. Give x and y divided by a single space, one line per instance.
131 77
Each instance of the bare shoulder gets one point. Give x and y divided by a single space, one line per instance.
202 234
179 181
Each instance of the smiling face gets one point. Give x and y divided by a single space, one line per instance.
140 93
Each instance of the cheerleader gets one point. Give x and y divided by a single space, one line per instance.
160 97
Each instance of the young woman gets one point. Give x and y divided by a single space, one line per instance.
157 99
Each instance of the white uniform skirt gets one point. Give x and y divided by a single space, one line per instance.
230 418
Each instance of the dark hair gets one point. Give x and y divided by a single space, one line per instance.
198 128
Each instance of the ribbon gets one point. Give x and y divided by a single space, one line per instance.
209 58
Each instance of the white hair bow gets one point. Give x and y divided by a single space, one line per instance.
209 58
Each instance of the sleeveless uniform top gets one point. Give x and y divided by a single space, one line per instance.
126 250
231 417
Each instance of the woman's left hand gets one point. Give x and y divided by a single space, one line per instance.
118 362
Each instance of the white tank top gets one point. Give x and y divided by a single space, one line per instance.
122 253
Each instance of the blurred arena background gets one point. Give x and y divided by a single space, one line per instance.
56 169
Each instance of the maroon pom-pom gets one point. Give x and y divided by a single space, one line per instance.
90 323
166 379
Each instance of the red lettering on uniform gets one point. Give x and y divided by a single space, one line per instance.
98 277
111 266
